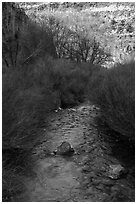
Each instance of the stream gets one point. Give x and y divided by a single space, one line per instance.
83 177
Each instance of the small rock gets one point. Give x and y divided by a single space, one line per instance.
116 171
86 169
100 187
64 149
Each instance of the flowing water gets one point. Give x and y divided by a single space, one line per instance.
82 177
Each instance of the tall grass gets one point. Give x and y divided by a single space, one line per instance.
114 91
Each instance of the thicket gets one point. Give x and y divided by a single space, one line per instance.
113 91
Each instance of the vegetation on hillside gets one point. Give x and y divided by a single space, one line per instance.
111 25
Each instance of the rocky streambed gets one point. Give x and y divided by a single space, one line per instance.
93 173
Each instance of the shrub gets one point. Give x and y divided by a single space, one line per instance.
70 81
36 42
114 91
26 100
